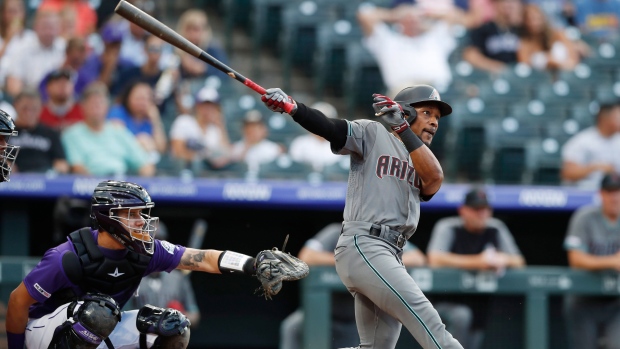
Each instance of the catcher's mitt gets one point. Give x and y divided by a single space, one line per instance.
274 266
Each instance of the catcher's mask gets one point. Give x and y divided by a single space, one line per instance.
409 97
8 152
123 209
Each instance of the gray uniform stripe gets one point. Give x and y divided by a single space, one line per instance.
395 293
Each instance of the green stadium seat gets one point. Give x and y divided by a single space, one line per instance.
266 23
506 147
607 92
285 168
543 160
524 74
329 64
605 57
362 79
464 141
584 74
462 70
537 115
236 15
504 90
584 113
282 128
561 92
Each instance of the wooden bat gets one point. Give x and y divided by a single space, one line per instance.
157 28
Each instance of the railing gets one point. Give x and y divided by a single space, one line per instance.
535 283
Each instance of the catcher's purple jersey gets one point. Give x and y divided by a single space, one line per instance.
48 276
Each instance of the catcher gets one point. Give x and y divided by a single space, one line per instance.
72 298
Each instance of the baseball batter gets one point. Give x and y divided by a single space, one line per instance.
390 174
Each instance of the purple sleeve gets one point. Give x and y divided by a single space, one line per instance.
48 276
166 257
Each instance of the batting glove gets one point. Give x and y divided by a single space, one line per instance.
275 98
391 112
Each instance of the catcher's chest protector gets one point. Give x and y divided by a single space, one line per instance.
94 272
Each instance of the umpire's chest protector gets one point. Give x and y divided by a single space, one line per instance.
94 272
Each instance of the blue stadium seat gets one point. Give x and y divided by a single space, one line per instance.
329 64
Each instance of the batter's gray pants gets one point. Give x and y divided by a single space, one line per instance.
386 296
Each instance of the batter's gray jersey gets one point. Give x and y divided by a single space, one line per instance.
385 190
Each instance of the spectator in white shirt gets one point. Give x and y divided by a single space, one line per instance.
28 66
595 151
13 34
254 148
202 136
312 149
416 53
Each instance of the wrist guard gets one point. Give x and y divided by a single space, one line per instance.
233 262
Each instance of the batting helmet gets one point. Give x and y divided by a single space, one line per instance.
8 152
410 96
123 209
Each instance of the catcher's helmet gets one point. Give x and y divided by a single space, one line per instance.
410 96
8 152
123 210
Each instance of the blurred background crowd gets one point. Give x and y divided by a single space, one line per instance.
534 84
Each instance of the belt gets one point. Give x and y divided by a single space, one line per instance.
391 236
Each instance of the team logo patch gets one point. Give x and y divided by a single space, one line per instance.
42 291
435 95
167 246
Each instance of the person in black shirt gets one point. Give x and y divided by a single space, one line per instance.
495 44
474 241
41 149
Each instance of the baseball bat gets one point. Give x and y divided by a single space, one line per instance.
157 28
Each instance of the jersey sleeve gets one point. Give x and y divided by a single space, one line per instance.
442 235
577 234
47 276
506 240
360 137
166 257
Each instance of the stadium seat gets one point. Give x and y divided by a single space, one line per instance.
561 92
585 75
266 23
362 79
462 70
329 63
607 92
299 35
285 168
506 142
605 57
543 161
464 141
536 114
504 90
521 73
236 15
584 113
282 128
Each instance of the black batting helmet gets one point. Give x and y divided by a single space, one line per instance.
123 209
8 152
410 96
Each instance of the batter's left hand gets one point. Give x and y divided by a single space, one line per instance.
391 112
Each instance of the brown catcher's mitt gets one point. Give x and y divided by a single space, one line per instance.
274 266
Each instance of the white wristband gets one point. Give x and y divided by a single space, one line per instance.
232 261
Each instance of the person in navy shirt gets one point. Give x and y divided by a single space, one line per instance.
71 299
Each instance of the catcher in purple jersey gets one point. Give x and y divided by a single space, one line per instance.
390 174
72 298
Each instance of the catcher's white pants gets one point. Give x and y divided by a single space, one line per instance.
39 332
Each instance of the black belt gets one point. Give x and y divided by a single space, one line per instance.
391 236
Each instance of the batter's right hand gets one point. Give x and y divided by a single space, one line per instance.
391 112
275 98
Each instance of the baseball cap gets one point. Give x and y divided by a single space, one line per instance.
610 182
112 32
476 198
207 94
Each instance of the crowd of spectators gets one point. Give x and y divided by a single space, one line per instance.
160 96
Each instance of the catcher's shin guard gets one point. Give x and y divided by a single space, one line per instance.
171 326
90 325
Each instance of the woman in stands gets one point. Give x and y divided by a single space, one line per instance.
544 47
139 113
